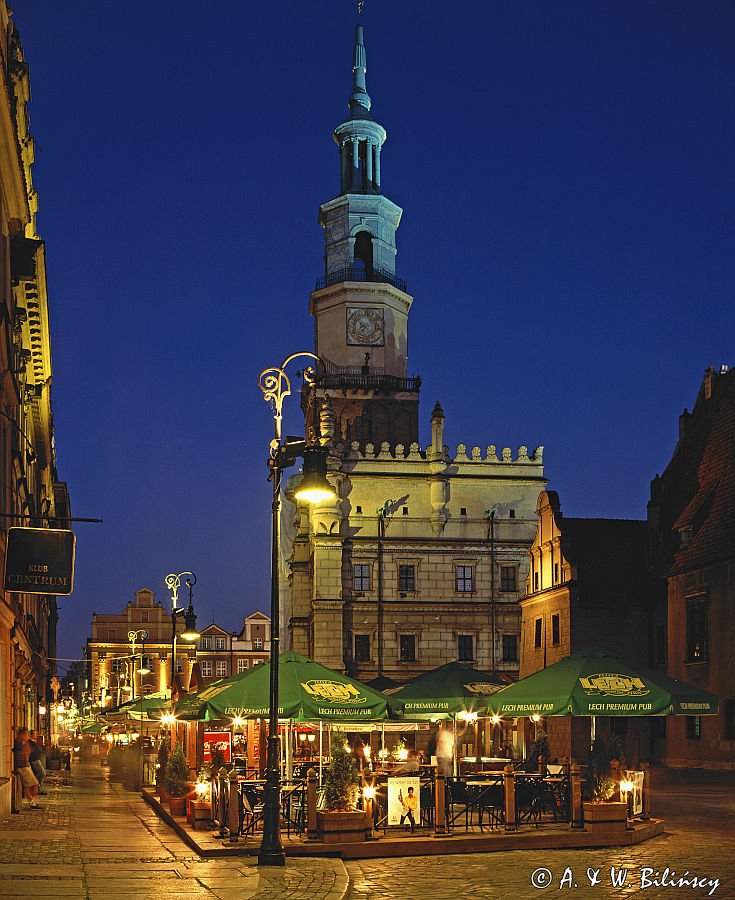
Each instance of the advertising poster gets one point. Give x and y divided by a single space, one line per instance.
404 801
217 740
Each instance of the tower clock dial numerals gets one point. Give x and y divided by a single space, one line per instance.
365 326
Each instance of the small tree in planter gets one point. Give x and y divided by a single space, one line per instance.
601 812
341 821
539 747
177 780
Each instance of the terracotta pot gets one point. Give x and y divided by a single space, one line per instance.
177 806
341 827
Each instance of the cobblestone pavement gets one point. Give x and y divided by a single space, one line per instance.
94 840
699 812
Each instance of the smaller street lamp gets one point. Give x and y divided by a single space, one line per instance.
133 637
190 633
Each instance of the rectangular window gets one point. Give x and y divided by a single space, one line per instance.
179 665
257 643
221 669
729 713
206 643
242 665
207 668
555 629
464 648
696 630
510 648
407 644
144 615
406 578
556 573
219 643
112 634
508 580
362 647
464 578
537 633
535 581
118 666
360 577
694 727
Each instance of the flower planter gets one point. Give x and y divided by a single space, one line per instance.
606 816
177 806
341 827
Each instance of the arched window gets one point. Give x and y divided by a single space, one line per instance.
364 253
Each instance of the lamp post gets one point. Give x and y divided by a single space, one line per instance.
276 386
190 633
133 637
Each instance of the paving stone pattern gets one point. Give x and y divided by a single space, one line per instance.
699 811
94 840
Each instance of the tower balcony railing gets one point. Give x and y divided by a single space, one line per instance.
359 273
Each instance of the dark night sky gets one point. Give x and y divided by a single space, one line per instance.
566 173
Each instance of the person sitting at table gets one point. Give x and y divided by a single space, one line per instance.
410 766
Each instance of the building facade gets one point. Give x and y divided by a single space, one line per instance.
691 514
590 585
30 491
115 661
221 653
422 557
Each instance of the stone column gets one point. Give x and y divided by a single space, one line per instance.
377 166
369 163
355 176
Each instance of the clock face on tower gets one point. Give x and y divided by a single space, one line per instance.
365 326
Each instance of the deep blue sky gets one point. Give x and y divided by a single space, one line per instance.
566 172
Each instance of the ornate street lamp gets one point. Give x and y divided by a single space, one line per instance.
133 637
190 633
313 488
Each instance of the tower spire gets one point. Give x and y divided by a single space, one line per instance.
359 99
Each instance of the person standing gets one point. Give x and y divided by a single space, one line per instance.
22 766
36 761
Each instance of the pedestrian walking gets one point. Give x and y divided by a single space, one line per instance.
35 758
22 767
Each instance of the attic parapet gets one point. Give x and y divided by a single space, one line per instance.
491 455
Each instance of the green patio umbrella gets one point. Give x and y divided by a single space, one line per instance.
149 706
307 692
448 691
596 683
91 728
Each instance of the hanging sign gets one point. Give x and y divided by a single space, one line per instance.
40 561
218 742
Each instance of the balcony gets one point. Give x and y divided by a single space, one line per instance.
359 273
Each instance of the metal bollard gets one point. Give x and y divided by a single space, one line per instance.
646 769
509 782
312 783
440 826
575 799
223 790
233 809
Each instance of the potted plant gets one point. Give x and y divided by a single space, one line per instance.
341 822
600 812
177 781
162 762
